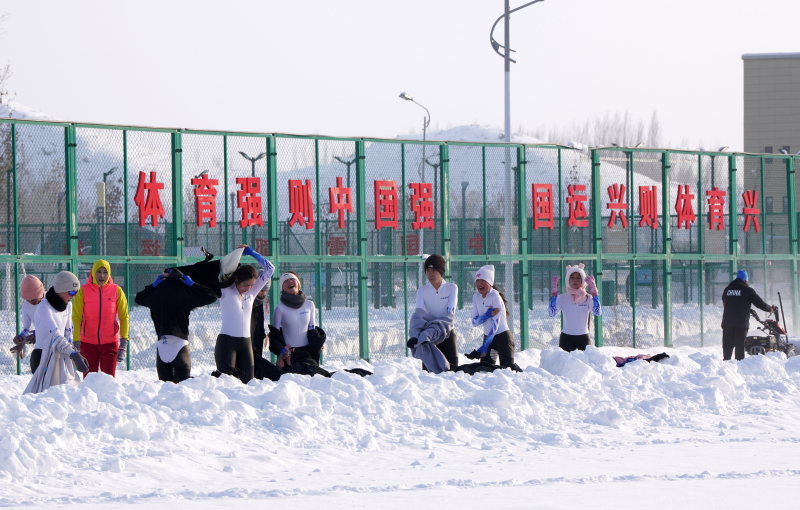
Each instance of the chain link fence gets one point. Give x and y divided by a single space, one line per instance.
663 231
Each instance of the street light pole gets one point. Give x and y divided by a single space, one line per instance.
102 212
426 121
348 164
509 266
252 161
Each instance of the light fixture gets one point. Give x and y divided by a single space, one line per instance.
405 96
639 145
723 149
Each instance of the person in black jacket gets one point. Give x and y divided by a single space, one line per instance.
171 299
258 334
736 299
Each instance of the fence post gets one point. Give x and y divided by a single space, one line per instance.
793 249
128 283
318 246
733 232
71 199
524 282
444 200
597 239
272 220
666 231
177 194
17 250
361 207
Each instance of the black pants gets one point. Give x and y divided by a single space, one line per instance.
449 347
264 369
312 353
733 338
502 347
234 356
573 342
36 358
178 369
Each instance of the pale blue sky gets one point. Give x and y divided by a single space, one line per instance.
337 67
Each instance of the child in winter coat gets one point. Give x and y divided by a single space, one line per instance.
233 352
576 304
489 310
171 299
432 321
31 291
293 331
59 361
101 339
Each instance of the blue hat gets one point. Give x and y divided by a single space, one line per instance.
741 274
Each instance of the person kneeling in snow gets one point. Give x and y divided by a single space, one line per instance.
489 310
31 291
294 329
59 360
432 335
580 299
171 299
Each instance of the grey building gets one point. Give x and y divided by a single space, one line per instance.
772 117
771 102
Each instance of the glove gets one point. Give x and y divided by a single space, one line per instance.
554 285
775 310
77 346
81 365
159 279
123 348
592 288
187 280
31 339
475 354
19 350
411 342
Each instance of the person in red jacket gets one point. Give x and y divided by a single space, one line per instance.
101 339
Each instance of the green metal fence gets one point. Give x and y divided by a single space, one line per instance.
70 194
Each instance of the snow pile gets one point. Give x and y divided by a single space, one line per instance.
14 110
567 399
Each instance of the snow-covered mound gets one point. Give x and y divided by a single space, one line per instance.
117 439
14 110
474 133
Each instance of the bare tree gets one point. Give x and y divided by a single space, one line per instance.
611 129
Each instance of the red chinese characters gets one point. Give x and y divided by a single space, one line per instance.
476 243
262 246
337 245
616 197
421 205
249 201
577 207
648 206
716 201
750 211
341 200
385 204
542 206
148 200
205 200
300 204
412 244
151 247
683 206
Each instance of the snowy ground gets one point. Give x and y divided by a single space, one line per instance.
571 431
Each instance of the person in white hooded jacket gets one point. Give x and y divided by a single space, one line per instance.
576 304
60 362
489 311
31 291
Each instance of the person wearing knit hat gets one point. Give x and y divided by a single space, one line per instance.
433 319
60 361
576 304
489 311
102 339
31 291
737 298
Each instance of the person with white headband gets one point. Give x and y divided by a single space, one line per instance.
575 305
489 310
233 352
293 329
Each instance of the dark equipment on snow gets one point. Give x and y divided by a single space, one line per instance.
776 339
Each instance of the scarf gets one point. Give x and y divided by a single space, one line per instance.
577 294
293 300
259 301
55 301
